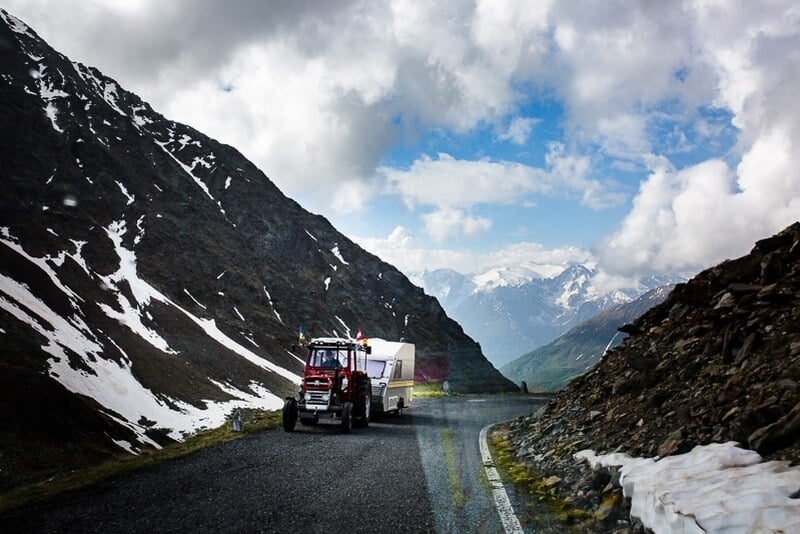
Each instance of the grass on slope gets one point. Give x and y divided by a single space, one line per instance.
254 421
431 390
546 510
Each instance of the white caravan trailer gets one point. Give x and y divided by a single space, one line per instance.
391 369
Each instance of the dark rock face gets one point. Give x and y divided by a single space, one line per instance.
128 238
725 367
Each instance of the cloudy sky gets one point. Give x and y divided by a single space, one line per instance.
648 136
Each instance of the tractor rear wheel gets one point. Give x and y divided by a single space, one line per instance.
347 417
289 414
363 405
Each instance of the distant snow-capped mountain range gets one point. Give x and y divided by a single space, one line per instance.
511 310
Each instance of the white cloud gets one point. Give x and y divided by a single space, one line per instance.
519 129
447 182
448 222
614 64
320 92
697 216
402 250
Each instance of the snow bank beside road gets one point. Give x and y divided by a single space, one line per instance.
713 488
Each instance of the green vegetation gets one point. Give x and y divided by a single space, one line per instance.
430 390
452 468
548 510
254 421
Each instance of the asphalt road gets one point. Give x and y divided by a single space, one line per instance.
421 472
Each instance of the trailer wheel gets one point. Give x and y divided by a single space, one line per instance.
347 417
363 406
289 414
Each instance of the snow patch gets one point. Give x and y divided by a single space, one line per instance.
131 314
311 236
209 326
11 242
194 299
140 227
346 328
249 337
714 488
335 251
72 334
143 292
110 383
295 357
122 188
186 140
609 343
125 445
140 120
197 180
15 25
503 277
111 97
327 283
236 310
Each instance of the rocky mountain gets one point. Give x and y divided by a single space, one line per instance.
152 279
718 361
552 366
513 310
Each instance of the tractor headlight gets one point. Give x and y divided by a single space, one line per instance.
326 397
308 396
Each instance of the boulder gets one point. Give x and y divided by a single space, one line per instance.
783 432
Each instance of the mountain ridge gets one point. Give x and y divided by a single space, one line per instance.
550 367
153 279
513 315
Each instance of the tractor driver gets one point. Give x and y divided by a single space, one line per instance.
330 359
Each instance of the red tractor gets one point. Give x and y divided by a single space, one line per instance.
335 386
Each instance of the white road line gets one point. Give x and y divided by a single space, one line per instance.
507 516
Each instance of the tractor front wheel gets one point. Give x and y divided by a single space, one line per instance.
289 414
347 417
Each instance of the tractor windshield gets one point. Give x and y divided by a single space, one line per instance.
328 357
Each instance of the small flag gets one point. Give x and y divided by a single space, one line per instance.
302 334
359 335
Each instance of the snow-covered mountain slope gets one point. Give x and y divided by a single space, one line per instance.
152 279
512 310
550 367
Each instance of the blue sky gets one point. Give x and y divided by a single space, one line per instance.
647 137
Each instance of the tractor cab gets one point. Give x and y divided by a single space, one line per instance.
335 385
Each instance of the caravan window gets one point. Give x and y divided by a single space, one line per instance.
375 368
398 368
